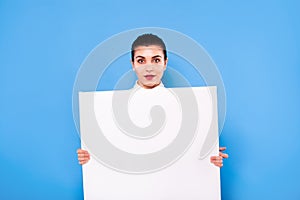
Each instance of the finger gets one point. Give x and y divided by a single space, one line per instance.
82 162
213 158
217 161
216 158
222 148
218 164
223 155
82 159
81 151
83 155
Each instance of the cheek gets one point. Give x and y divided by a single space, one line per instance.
160 70
138 72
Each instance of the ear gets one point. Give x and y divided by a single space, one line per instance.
166 62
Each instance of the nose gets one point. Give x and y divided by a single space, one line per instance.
149 68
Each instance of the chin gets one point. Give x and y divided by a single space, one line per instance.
151 84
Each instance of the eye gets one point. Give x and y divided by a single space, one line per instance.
156 60
140 61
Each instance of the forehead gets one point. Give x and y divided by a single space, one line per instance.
145 51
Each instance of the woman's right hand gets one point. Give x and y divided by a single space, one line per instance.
83 156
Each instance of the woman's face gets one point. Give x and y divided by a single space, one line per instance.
149 65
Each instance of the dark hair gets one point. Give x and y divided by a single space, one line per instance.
147 40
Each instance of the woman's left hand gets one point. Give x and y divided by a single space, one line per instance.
218 160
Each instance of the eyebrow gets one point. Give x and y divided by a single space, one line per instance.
157 56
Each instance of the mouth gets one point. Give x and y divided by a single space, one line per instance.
149 77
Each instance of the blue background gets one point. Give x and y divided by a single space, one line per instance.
255 45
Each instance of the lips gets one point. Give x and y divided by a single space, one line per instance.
149 76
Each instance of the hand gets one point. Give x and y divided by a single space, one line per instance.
83 156
218 160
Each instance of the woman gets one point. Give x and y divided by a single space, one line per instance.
149 61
